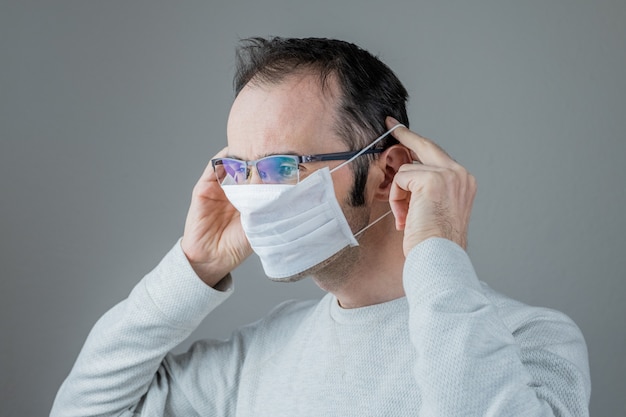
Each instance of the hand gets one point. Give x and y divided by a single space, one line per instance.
432 198
213 240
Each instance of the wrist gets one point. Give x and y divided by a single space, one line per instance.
207 271
208 274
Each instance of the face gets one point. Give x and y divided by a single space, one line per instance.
294 117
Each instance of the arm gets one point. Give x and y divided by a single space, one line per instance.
123 357
123 354
470 360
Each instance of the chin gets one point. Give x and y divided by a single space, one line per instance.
331 274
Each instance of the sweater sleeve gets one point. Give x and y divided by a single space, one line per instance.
121 369
474 358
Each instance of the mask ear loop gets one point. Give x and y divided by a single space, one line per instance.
381 137
371 224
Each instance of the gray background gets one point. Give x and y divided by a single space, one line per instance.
110 110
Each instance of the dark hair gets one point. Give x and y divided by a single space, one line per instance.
370 91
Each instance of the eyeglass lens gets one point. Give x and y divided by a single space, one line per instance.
276 169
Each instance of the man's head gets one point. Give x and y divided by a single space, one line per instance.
311 97
367 91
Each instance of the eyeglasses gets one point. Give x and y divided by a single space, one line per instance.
274 169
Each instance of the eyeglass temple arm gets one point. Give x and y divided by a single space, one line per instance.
335 156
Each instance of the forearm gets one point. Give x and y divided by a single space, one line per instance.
469 361
125 348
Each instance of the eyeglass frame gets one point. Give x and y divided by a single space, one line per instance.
335 156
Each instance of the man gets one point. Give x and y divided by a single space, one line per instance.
320 179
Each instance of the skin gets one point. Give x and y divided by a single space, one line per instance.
430 199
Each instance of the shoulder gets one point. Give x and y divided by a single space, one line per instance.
270 331
541 329
551 345
520 317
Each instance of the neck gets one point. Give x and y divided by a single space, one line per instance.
370 273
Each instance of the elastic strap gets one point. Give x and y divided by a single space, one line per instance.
381 137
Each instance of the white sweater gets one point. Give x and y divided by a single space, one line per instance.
451 347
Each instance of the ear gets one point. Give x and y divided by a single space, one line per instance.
390 162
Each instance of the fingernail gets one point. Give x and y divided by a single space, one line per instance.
392 120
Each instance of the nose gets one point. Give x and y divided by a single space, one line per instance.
254 177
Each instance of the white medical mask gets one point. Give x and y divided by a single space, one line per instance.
293 228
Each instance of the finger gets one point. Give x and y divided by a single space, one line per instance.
411 180
399 200
420 167
428 152
403 185
209 174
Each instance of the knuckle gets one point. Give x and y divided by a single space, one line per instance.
460 169
433 177
405 168
199 189
471 182
450 177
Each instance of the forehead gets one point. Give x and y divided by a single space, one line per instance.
293 116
